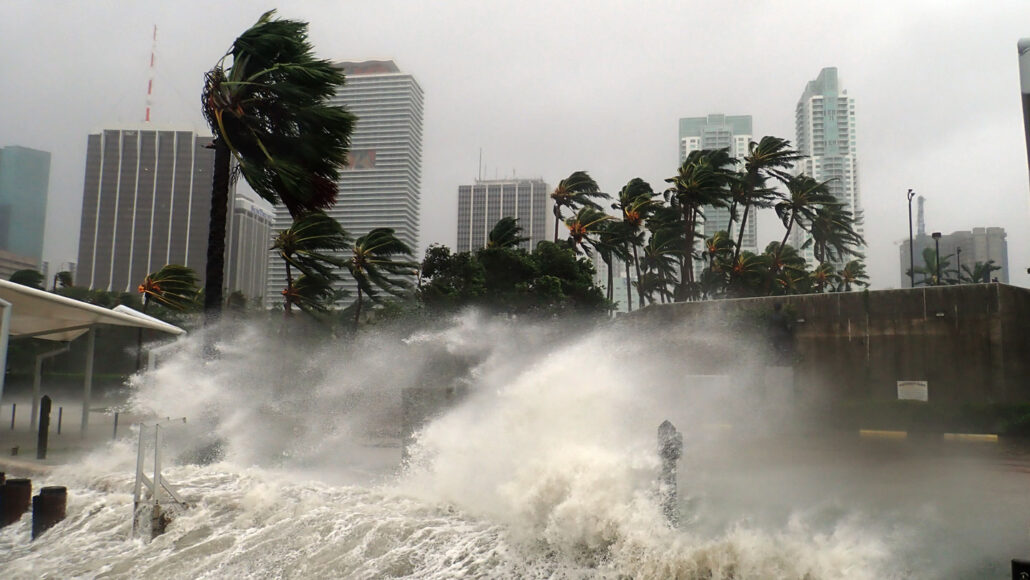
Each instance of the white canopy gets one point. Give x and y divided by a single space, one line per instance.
40 314
31 313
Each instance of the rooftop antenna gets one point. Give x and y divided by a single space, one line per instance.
919 220
480 178
150 80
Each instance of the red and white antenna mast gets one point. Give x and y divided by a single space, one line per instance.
150 81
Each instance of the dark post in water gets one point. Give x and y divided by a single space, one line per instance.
670 448
15 495
44 427
48 508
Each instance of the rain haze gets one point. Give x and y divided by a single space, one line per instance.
547 88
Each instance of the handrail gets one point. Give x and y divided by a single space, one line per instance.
158 482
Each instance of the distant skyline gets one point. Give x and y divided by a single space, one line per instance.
548 88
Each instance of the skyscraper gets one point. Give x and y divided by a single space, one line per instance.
24 183
381 185
720 132
825 124
146 203
483 204
1023 46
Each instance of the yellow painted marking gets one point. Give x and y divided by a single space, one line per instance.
880 434
972 437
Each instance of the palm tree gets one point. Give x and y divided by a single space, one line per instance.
585 226
312 245
799 207
771 156
636 202
660 261
702 180
372 262
853 273
980 272
824 276
929 269
610 244
747 275
788 270
832 233
717 255
62 279
173 286
575 191
269 110
506 233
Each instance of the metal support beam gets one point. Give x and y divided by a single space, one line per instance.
87 384
5 333
37 380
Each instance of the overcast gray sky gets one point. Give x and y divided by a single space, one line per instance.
547 87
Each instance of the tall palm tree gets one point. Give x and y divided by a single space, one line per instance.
267 102
610 243
506 233
702 180
660 261
173 286
62 279
769 157
636 202
832 233
374 260
804 197
575 191
312 245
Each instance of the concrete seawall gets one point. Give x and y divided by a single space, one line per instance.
970 342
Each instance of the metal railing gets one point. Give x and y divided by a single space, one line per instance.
158 485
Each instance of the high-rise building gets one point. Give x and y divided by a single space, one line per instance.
483 204
959 251
24 183
732 132
1023 46
825 124
146 203
247 248
381 185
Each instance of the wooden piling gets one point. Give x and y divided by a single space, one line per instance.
44 427
15 496
48 508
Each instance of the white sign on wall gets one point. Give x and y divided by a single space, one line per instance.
913 391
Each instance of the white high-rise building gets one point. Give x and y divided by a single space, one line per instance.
381 185
731 132
825 124
247 248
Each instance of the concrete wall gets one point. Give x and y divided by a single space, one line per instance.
971 342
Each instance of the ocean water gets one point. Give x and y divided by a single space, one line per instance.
546 468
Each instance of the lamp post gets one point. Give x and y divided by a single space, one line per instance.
911 251
958 261
937 254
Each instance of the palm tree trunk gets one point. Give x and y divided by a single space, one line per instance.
629 290
611 282
740 234
288 303
215 270
729 223
636 266
557 218
357 311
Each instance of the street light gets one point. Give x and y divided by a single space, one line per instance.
937 251
958 261
911 251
